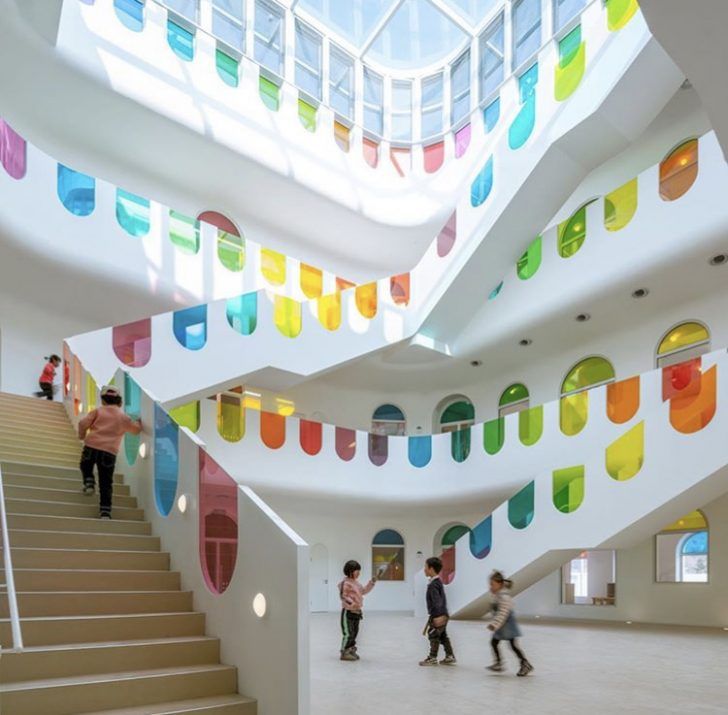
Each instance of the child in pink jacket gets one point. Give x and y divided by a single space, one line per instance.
101 431
352 603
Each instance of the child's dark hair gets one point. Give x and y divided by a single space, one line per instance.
54 358
498 577
434 563
111 400
350 567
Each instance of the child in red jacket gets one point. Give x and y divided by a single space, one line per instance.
101 431
48 376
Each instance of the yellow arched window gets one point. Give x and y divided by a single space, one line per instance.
684 341
678 171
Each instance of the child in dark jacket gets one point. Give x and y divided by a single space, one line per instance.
436 628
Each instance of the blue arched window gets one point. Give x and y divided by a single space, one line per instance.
388 420
692 556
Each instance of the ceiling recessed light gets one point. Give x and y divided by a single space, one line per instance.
476 363
582 317
719 260
525 342
640 293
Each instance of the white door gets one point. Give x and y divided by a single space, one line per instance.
319 579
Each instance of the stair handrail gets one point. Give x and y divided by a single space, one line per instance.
9 579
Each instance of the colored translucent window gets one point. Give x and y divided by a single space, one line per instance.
684 341
399 288
530 261
496 291
693 409
626 455
526 18
218 513
345 443
270 93
494 435
231 250
457 415
242 313
460 444
184 232
187 415
370 152
388 555
587 373
678 171
388 420
521 507
312 281
481 538
419 450
527 83
522 126
76 191
76 386
342 136
569 71
451 536
492 51
620 12
230 417
513 399
307 115
132 213
228 68
133 408
565 10
623 400
272 429
91 390
366 300
190 327
268 50
287 316
373 102
482 184
571 233
432 105
13 151
462 140
620 206
341 83
491 115
273 266
228 22
378 449
308 60
568 488
530 425
460 88
446 237
132 342
310 436
130 14
166 460
181 40
329 310
682 550
434 156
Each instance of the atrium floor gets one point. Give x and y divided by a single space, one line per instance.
579 668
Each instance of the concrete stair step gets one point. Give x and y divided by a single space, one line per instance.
20 520
57 630
31 435
36 469
86 693
26 480
42 662
41 445
94 580
59 558
99 603
11 417
67 496
90 542
24 456
218 705
57 508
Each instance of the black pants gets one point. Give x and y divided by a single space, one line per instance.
46 390
437 637
514 647
105 462
349 629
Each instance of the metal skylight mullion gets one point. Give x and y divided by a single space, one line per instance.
379 27
446 10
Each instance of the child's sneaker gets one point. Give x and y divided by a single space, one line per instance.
104 515
525 669
430 660
89 490
348 655
448 660
496 667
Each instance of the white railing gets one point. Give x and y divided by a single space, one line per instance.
9 579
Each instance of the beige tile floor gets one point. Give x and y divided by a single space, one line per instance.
589 669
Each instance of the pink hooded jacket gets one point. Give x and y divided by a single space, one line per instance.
352 594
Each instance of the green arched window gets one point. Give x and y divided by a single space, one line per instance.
457 415
513 399
587 373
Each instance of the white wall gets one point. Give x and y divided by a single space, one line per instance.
28 333
639 597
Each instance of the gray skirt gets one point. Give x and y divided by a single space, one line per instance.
509 630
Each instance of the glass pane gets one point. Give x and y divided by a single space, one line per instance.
341 83
373 96
491 72
186 8
354 19
269 36
228 30
402 111
473 10
234 8
460 87
565 10
308 60
166 460
526 30
432 105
